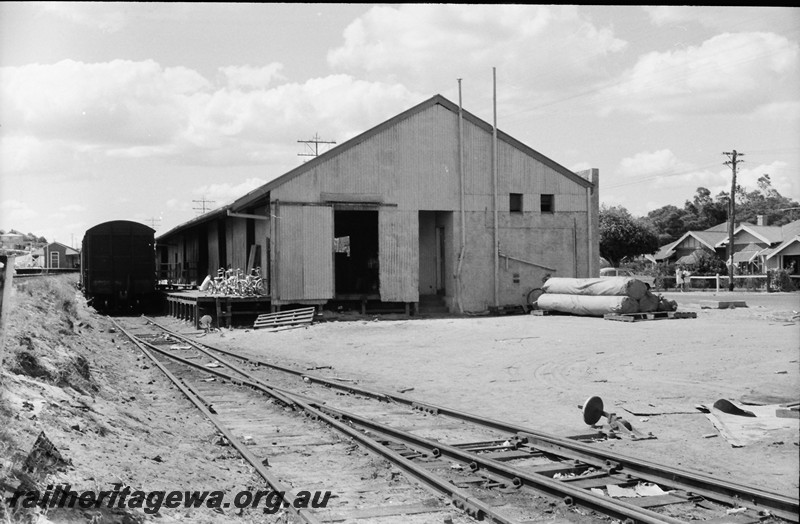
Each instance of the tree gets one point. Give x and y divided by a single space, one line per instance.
704 211
622 235
668 223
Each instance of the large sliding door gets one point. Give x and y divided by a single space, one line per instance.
303 252
399 255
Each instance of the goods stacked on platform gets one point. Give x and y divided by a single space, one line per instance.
600 296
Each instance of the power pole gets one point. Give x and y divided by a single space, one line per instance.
154 222
316 141
733 162
203 203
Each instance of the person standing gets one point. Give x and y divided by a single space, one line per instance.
679 282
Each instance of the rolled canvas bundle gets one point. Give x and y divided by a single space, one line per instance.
588 305
666 305
649 303
615 286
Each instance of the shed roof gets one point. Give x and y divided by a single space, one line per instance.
258 193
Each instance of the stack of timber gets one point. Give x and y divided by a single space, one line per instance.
600 296
286 319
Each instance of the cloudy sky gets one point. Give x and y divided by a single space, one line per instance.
142 111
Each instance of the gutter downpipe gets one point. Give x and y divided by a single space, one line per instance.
496 247
459 290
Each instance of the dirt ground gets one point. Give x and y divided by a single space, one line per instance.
114 417
537 370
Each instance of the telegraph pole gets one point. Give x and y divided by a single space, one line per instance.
733 162
203 203
316 141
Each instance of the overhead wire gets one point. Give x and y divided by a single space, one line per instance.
666 174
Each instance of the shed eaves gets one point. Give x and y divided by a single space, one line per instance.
214 213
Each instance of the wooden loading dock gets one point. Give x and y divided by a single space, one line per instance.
192 305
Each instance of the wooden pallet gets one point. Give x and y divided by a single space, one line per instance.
545 313
282 319
655 315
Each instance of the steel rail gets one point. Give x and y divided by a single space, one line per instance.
782 506
190 393
514 476
460 498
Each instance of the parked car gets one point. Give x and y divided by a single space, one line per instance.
609 272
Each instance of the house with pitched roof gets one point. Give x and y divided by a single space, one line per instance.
786 254
756 247
687 248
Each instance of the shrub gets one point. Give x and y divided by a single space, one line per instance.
781 281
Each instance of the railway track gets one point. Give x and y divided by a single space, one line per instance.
487 469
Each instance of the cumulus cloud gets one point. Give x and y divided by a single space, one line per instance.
106 17
727 73
662 169
430 45
714 17
783 178
248 77
72 208
648 163
133 109
224 193
117 102
14 212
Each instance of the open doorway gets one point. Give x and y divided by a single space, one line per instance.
355 252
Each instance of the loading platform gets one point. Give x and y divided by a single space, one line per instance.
191 305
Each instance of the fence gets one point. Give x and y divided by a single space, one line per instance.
714 283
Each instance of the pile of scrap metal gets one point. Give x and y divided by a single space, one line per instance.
601 296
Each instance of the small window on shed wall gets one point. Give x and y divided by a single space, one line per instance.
515 202
548 204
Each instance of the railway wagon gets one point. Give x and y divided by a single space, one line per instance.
118 266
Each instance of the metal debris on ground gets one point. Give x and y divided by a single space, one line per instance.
592 413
